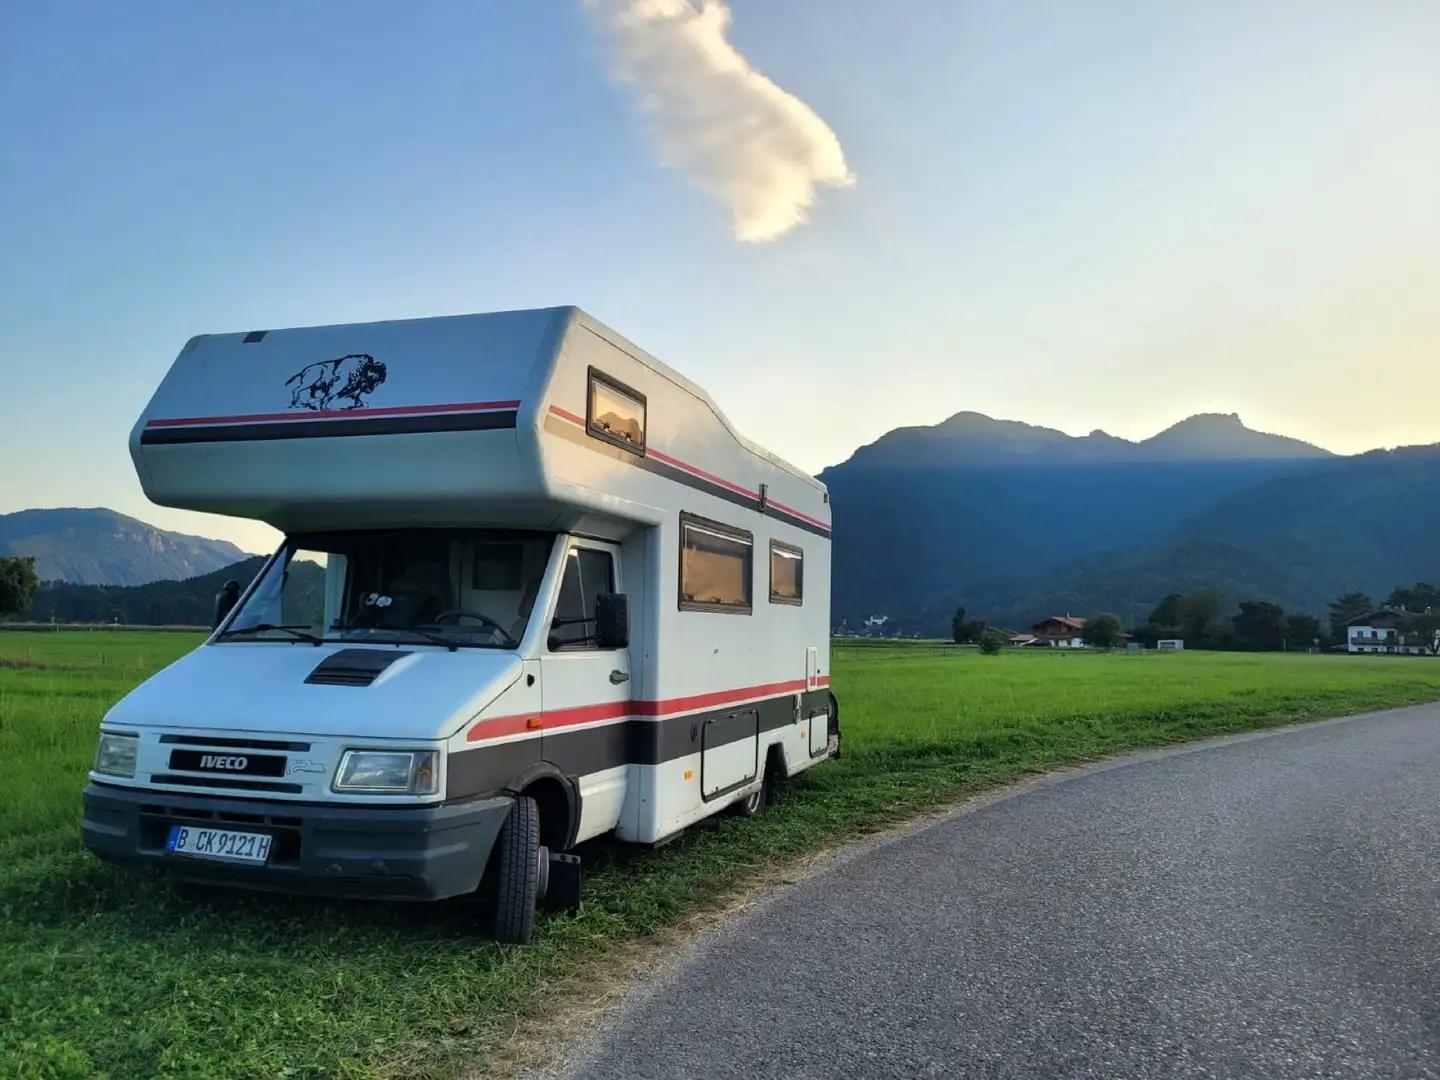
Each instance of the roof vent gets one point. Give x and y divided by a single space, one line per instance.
353 667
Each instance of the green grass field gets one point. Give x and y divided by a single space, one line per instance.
108 975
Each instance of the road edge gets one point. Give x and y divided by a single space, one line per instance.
595 998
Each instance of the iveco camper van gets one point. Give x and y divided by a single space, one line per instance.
533 588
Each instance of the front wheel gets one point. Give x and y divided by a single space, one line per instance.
520 874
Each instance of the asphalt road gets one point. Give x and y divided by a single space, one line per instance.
1264 908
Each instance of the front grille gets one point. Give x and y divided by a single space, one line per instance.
176 813
230 764
227 784
233 744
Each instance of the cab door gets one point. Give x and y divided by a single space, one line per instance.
586 689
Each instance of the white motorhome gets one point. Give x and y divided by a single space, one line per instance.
534 588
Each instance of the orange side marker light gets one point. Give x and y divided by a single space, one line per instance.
535 723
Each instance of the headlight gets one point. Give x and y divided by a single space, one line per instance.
405 772
115 754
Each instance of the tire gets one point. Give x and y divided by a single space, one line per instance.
757 800
519 873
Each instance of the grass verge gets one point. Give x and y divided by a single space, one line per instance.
108 975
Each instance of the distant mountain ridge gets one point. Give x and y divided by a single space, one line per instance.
1013 521
1016 522
102 547
971 438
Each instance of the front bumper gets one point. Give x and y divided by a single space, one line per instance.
389 853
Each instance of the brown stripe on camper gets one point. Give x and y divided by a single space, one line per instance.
644 735
334 423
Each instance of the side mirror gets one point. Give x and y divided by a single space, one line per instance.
612 621
225 601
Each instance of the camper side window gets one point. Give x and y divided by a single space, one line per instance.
787 574
588 574
614 413
715 566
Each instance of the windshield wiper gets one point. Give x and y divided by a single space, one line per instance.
428 635
299 631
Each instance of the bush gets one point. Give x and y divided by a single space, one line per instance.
992 641
1102 632
17 584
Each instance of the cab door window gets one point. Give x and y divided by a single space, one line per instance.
589 572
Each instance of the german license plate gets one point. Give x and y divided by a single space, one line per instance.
242 847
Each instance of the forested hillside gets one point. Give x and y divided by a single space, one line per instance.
101 547
159 603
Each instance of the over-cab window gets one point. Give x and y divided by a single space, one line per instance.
787 574
715 566
615 413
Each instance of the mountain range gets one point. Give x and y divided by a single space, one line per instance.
101 547
1015 522
1012 521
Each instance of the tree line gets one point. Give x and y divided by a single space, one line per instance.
158 603
1198 618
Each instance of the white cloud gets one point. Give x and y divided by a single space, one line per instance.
736 135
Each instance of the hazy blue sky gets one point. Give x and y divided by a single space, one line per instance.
1086 215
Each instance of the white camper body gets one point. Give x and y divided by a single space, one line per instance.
556 483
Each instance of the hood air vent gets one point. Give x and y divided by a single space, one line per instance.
353 667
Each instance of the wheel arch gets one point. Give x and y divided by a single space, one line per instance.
558 798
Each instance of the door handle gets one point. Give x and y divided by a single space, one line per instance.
617 677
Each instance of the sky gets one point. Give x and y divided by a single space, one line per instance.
838 216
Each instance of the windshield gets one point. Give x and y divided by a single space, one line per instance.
462 588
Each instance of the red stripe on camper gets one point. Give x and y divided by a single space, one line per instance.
685 466
496 727
693 471
336 414
796 513
709 701
567 415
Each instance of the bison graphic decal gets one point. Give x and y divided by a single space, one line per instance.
336 384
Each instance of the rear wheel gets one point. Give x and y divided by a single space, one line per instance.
520 874
764 795
757 800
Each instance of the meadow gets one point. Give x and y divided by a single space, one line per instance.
105 974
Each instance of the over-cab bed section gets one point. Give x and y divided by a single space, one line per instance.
289 426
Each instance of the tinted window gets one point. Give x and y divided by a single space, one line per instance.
588 574
465 586
498 567
616 413
715 567
787 574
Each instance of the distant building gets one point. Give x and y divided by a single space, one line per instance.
1175 644
1058 632
1379 632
